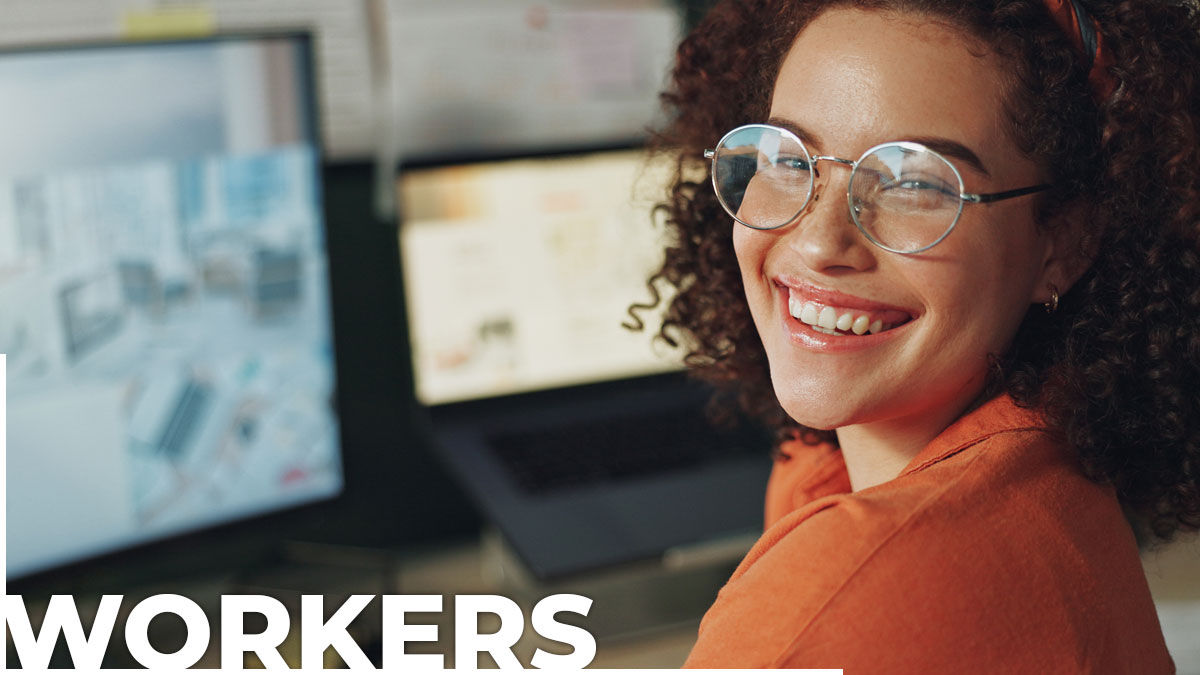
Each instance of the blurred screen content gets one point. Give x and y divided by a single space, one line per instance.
164 299
519 273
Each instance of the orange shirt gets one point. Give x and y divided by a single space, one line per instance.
991 552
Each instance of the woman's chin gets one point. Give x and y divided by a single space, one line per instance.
814 417
824 400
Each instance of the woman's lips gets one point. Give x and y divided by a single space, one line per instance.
832 320
832 298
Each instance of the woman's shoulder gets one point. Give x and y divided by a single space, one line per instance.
999 462
802 473
989 549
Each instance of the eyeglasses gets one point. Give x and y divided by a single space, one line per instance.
904 197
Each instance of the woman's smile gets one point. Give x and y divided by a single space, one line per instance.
827 320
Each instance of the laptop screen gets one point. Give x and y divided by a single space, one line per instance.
518 273
164 298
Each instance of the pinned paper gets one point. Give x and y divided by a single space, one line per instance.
167 22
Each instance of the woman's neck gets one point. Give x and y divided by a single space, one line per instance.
876 452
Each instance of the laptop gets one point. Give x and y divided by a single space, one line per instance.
582 441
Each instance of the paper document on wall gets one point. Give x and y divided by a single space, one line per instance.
475 76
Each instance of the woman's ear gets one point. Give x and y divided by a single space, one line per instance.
1069 252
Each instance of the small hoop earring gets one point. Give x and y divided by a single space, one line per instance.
1052 305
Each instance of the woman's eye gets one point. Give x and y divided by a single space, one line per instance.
787 170
921 193
783 163
918 184
795 163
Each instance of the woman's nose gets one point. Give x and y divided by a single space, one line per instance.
824 235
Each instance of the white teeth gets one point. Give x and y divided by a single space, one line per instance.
861 324
828 318
809 314
794 307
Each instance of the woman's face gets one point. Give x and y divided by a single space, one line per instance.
854 79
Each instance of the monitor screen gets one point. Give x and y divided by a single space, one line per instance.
164 296
518 273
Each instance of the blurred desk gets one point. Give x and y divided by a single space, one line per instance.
643 615
472 568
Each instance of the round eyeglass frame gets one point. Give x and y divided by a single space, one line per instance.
963 196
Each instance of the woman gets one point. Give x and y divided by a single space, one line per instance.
963 283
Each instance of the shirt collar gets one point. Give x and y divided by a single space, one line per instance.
1000 414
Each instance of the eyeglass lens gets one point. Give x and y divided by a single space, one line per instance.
901 196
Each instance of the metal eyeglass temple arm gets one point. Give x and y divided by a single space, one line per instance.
997 196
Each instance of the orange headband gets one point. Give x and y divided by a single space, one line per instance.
1084 32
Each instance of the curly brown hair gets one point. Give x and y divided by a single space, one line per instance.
1117 368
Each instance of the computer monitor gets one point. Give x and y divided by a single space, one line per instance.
164 293
518 272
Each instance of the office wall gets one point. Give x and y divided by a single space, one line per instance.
367 50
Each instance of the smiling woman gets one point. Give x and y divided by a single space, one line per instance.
963 283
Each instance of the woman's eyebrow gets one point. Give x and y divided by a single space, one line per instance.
803 134
943 146
953 149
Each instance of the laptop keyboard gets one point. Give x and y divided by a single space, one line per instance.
593 451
